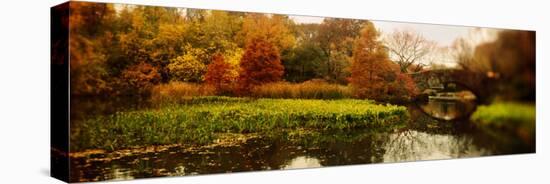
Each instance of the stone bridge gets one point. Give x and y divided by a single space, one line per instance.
439 80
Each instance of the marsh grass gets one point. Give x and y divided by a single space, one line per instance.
314 89
179 92
202 119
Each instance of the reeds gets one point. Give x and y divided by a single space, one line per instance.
314 89
177 92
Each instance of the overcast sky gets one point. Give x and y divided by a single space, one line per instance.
442 34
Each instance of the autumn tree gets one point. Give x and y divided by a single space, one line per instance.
335 38
189 67
90 29
373 75
219 75
273 29
408 49
139 79
260 64
213 32
154 35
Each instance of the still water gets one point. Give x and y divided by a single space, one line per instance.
450 105
424 138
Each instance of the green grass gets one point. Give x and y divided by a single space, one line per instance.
518 118
200 120
506 114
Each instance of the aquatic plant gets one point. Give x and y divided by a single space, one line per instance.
200 120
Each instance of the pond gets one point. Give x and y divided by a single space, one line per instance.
424 138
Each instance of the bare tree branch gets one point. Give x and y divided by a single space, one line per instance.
408 48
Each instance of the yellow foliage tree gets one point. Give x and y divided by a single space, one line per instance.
273 29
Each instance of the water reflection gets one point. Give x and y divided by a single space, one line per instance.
121 174
303 162
413 145
285 152
450 105
424 138
86 107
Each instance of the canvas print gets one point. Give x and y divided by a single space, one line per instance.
144 91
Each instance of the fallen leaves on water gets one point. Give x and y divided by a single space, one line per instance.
224 140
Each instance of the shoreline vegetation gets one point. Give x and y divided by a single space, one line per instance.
180 92
202 119
187 115
510 117
184 115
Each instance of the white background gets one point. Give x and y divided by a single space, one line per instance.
24 90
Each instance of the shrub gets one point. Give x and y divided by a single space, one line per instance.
313 89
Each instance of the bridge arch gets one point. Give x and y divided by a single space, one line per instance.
437 80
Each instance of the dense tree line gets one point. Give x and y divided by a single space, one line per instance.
128 49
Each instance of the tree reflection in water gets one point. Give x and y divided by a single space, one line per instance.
423 138
413 145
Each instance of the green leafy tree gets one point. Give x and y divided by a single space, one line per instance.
304 61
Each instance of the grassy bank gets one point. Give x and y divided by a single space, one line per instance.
201 120
516 118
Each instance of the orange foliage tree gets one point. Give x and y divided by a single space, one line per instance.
260 64
219 75
373 75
